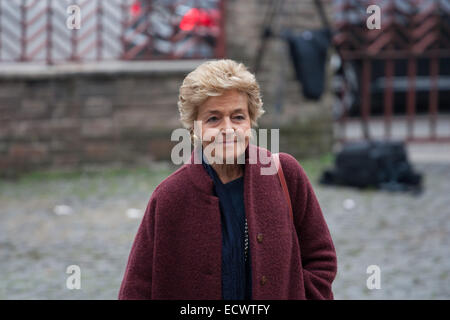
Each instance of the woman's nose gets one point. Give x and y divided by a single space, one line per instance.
227 129
227 125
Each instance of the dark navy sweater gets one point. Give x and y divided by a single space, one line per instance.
236 273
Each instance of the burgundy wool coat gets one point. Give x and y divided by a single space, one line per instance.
176 253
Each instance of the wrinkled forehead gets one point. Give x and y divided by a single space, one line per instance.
229 102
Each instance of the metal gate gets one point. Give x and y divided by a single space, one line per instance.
402 63
43 31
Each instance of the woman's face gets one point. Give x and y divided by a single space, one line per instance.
226 125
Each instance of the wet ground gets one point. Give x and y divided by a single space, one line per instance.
48 223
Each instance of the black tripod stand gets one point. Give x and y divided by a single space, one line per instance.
273 10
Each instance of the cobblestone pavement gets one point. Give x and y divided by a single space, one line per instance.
406 235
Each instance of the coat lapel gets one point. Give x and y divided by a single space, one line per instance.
267 216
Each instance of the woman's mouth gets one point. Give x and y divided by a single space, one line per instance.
227 142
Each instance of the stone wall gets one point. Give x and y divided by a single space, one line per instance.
72 115
67 116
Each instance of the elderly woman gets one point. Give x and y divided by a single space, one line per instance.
220 229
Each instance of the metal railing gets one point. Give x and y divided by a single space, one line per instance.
411 32
49 31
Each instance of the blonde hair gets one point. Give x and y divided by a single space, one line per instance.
212 78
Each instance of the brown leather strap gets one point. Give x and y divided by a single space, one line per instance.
276 158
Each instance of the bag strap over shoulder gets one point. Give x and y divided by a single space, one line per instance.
276 157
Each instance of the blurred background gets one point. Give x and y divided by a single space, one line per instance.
87 110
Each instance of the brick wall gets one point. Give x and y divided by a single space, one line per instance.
68 116
60 118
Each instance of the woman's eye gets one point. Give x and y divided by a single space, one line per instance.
239 117
212 119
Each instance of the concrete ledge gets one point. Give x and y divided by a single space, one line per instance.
37 71
429 152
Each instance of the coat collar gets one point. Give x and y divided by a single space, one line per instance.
200 178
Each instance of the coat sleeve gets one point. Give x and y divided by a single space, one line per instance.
316 246
137 281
